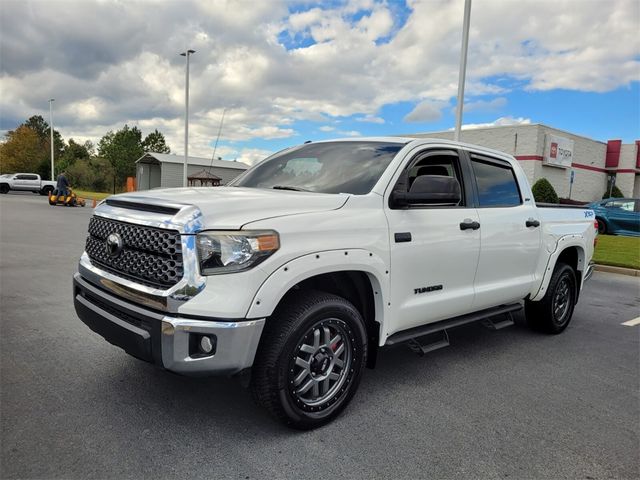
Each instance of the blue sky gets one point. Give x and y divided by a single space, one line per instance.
288 71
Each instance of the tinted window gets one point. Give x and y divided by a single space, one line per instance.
329 167
624 205
497 186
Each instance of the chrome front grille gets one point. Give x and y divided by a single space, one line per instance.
149 256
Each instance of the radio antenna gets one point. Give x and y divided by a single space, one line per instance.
215 146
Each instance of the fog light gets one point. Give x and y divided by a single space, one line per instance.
206 345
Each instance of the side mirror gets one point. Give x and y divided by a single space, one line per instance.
429 190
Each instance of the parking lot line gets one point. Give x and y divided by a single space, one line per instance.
632 323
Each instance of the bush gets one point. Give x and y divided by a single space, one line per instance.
615 193
93 174
543 192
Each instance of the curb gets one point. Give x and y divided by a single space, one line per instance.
619 270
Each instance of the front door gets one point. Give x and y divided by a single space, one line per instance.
434 248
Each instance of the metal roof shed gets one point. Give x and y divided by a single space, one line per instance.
164 170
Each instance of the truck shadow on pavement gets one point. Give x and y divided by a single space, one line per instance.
158 400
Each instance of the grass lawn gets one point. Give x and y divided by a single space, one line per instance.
91 195
618 251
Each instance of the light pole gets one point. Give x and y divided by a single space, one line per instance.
186 118
463 68
51 100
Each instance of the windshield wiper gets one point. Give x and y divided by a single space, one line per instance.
289 187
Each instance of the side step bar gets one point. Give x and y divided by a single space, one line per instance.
444 325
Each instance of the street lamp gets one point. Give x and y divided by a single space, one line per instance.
51 100
186 118
463 68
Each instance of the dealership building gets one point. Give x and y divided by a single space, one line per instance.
578 167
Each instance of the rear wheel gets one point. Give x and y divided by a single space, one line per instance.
310 359
553 313
46 191
602 226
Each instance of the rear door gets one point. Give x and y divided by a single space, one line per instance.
433 259
32 182
510 234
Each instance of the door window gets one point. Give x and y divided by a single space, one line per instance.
442 163
627 205
497 185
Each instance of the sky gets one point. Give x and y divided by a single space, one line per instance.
285 72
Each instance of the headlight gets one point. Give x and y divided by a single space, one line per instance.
227 252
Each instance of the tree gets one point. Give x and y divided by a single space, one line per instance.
121 149
38 125
543 192
72 153
155 142
615 193
28 147
22 151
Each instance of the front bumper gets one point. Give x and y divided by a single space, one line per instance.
170 342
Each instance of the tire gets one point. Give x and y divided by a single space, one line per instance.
4 188
310 359
46 191
553 313
602 226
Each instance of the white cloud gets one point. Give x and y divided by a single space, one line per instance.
499 122
119 62
426 111
251 156
326 128
483 106
371 119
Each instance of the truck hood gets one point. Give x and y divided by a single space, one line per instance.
232 207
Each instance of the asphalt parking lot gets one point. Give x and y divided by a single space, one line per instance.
505 404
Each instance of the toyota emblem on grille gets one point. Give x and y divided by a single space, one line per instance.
114 244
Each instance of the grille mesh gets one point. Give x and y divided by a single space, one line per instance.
150 256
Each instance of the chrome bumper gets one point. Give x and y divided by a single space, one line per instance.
236 345
168 341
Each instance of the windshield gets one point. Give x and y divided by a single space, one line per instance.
328 167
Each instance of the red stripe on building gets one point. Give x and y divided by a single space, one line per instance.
637 153
590 167
613 153
529 157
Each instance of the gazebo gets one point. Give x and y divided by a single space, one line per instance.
205 179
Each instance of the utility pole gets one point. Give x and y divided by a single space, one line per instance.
186 118
463 68
51 100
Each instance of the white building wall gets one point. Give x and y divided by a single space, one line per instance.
627 181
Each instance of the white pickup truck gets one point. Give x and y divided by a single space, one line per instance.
312 260
29 182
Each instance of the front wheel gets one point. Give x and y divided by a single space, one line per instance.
553 313
310 359
4 188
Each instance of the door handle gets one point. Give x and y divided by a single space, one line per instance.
402 237
532 222
469 224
